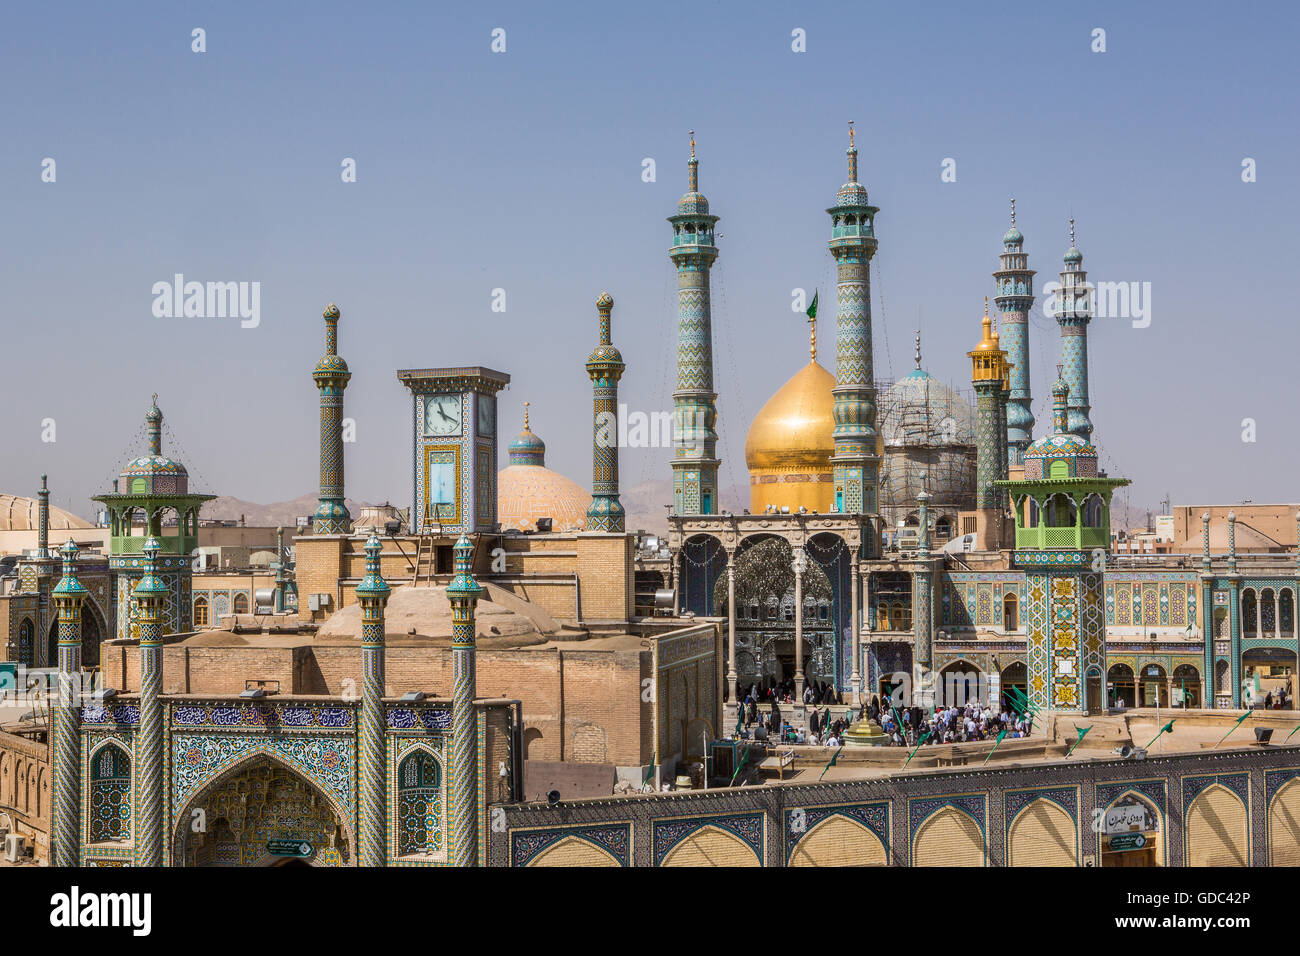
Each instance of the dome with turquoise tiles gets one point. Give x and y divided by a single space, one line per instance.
1013 237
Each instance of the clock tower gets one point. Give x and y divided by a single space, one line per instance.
454 438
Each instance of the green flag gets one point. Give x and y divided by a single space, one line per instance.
1292 734
835 756
1233 727
1020 702
1001 734
1166 729
741 765
650 774
812 309
922 739
1082 733
740 718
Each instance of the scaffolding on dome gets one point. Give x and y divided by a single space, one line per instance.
927 432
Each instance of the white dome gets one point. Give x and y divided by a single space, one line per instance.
920 410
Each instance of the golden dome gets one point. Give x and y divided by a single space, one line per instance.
528 492
790 443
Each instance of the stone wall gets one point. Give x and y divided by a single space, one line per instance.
1220 808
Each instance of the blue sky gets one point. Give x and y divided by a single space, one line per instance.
522 170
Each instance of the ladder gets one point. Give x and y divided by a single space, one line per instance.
425 560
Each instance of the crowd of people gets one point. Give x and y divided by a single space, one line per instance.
909 726
903 727
815 693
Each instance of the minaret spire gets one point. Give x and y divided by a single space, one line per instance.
605 367
988 375
695 437
855 466
331 377
151 597
65 836
1014 294
1073 315
917 357
372 594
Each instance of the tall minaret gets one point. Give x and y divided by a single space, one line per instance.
1014 282
855 465
331 376
695 414
463 593
43 522
150 598
372 594
605 366
988 375
68 595
1073 313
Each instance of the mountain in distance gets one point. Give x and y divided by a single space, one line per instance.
278 514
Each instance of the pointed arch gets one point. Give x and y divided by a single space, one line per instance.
1217 829
1284 825
244 762
949 837
839 840
1042 833
711 846
574 851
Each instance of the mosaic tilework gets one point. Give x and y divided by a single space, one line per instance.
920 809
615 839
1036 640
1064 625
1013 801
1238 783
199 758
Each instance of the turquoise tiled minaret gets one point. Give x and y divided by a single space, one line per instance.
331 377
463 593
855 466
695 414
372 594
150 597
68 597
1014 295
605 366
1073 313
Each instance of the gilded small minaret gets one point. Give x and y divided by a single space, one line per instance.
1014 284
150 597
372 594
1073 314
855 465
331 377
695 414
463 593
605 367
68 594
989 376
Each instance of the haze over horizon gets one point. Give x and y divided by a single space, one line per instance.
523 171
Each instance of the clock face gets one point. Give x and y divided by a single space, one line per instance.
442 415
487 416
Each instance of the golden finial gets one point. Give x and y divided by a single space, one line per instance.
692 144
850 134
526 404
812 345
